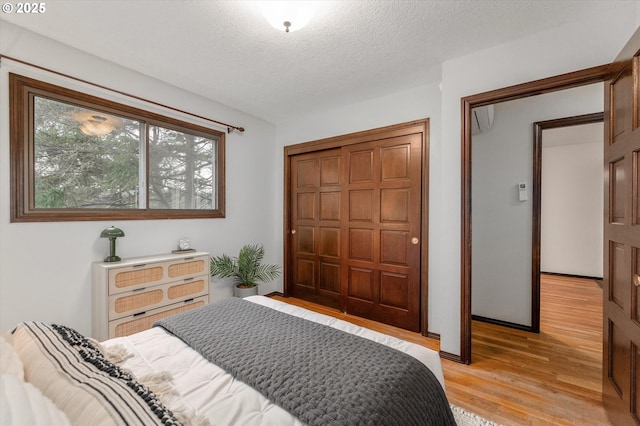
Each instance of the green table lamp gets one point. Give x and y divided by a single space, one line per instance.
112 233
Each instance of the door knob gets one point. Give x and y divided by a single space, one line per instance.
415 240
636 280
293 232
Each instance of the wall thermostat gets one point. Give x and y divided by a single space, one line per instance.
523 192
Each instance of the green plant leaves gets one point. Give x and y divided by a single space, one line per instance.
247 267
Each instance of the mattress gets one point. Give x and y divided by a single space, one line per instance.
217 396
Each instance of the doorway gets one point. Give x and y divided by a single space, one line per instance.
506 189
552 84
569 196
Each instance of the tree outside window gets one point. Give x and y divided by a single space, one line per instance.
78 157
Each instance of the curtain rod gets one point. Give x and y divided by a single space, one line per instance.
229 127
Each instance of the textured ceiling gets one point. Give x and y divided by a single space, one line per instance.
350 51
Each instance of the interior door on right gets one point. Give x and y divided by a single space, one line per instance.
621 341
381 230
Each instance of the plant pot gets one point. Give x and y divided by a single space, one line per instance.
245 292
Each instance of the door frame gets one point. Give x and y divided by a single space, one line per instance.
410 127
536 195
524 90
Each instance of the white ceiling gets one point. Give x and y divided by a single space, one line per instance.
349 52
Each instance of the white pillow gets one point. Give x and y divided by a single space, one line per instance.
21 403
9 359
87 387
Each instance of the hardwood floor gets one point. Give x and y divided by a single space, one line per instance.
521 378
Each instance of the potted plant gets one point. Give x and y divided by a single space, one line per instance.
246 269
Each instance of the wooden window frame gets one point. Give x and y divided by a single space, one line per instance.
22 193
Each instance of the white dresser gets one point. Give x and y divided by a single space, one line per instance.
130 295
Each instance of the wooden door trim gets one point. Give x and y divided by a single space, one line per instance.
386 132
536 196
401 129
537 87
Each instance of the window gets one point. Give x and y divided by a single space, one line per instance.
78 157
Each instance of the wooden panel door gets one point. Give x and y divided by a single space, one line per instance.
621 349
316 226
381 230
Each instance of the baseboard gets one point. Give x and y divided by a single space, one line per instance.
503 323
274 293
584 277
434 336
451 357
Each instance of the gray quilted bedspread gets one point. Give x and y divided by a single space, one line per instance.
321 375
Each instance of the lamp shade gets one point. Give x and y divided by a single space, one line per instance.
112 232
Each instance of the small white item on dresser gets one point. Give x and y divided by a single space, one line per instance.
184 244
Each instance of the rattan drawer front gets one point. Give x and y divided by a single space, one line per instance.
136 276
133 324
144 299
189 266
143 275
125 304
196 287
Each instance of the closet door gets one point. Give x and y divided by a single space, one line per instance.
316 226
381 204
356 215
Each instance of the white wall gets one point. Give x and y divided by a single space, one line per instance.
502 241
572 204
45 267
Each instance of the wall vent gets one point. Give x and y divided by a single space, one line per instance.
481 119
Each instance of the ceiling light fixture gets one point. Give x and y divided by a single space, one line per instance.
96 124
288 15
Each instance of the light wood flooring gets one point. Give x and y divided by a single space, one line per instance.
521 378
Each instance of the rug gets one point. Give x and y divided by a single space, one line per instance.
465 418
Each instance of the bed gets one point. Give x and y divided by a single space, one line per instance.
154 377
